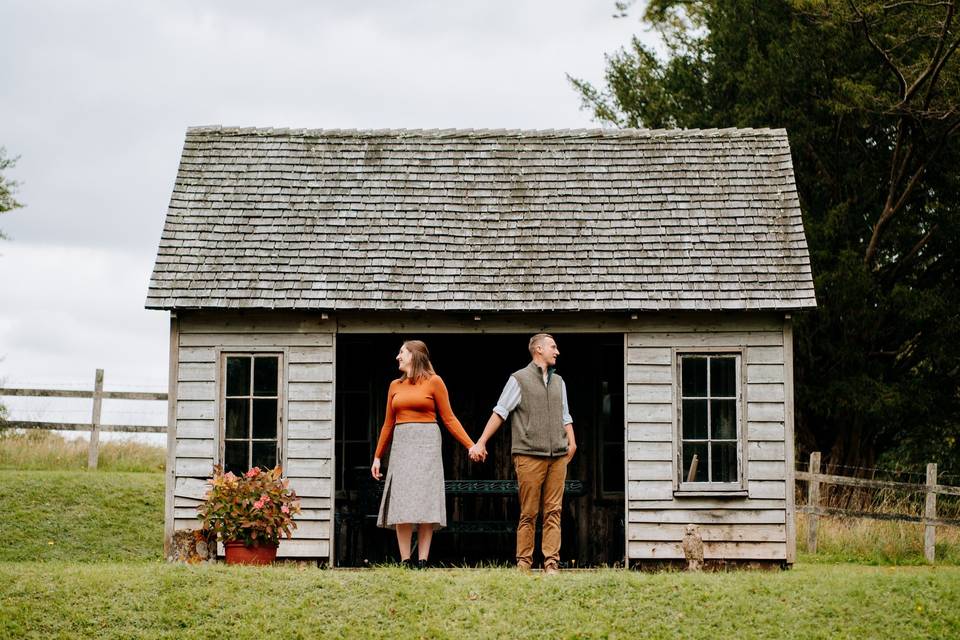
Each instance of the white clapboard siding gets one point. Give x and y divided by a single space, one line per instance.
190 488
197 429
765 431
310 429
711 516
196 372
308 467
735 527
763 489
737 503
296 548
645 451
652 532
307 344
711 550
195 448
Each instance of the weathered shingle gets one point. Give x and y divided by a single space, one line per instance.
483 220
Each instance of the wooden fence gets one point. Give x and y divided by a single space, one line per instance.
94 427
929 519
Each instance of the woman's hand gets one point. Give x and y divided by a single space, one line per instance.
375 469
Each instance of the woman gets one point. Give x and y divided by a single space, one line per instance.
413 493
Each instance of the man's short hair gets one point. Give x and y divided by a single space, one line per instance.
537 339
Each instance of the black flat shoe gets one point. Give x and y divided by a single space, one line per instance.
423 564
408 564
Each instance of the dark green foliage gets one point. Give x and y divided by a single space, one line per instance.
870 96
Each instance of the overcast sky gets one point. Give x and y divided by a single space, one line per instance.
95 98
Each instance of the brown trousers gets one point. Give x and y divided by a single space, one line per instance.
540 482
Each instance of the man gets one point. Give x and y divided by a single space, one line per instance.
543 444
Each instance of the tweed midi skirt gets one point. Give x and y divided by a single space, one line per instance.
413 490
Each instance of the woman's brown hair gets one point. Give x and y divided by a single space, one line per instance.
420 362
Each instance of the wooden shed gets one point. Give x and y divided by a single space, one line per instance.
666 263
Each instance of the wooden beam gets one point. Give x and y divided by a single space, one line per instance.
85 426
66 393
813 501
877 484
871 515
930 513
170 473
93 454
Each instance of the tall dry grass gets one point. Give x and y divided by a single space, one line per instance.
862 540
42 450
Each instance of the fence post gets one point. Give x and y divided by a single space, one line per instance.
930 532
94 452
813 500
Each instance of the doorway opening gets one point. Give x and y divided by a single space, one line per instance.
482 525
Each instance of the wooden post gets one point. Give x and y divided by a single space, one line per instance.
930 513
813 500
94 452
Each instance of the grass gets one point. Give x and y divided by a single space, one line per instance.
80 557
154 600
80 516
42 450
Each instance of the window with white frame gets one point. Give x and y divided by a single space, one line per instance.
251 411
710 423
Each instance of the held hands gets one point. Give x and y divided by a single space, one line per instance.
375 469
478 452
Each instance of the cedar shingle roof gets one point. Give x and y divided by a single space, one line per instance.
483 220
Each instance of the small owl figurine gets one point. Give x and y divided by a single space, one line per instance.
693 548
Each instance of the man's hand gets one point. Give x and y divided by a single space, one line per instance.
571 442
478 452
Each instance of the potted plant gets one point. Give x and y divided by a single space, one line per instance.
249 513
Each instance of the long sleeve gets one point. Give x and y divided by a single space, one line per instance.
386 431
453 425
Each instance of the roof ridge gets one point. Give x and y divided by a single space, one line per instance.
731 132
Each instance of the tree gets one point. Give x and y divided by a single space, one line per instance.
7 187
869 93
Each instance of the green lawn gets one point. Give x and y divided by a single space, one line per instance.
80 516
80 557
154 600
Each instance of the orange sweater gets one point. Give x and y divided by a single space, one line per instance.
419 402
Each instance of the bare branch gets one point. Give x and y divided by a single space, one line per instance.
912 254
936 62
883 54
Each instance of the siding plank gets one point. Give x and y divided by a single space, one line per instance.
308 467
766 451
768 489
192 448
764 373
644 470
770 431
711 550
649 374
650 451
765 393
650 490
196 391
311 373
309 410
710 533
315 449
712 516
309 429
230 341
765 411
637 412
646 355
196 429
767 470
650 432
650 393
312 391
194 467
196 372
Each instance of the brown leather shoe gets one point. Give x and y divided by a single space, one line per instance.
523 567
551 569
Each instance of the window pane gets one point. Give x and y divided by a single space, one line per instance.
265 454
724 461
265 376
265 418
235 457
723 373
237 418
690 451
694 419
238 376
723 418
694 378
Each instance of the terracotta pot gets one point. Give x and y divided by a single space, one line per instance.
238 553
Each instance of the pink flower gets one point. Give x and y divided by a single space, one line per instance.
258 504
285 509
229 475
264 498
253 472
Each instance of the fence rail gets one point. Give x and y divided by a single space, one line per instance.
98 395
929 519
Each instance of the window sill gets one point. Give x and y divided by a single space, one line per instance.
710 493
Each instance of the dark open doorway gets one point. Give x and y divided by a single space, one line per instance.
475 367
